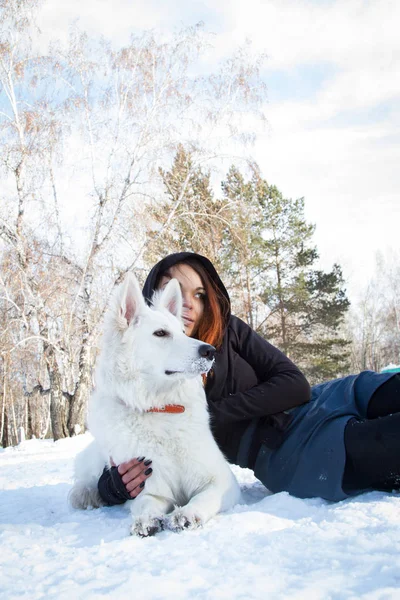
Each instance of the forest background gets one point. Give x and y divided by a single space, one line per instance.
150 142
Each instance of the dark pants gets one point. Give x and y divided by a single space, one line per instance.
373 445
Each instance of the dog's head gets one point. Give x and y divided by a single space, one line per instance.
148 346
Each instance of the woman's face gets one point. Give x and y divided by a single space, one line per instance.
193 294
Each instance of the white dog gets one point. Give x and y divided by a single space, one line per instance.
147 362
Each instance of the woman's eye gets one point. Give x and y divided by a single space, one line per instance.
200 295
161 333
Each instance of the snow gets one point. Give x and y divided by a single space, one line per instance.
273 546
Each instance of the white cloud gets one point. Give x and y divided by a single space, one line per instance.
115 20
359 39
295 32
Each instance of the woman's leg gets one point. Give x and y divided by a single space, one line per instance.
386 400
373 445
372 454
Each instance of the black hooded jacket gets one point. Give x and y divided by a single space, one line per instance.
250 378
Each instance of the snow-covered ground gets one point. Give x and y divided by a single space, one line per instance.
273 546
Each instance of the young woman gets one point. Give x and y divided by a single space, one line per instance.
343 438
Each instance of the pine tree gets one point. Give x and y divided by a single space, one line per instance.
296 307
238 255
307 306
188 218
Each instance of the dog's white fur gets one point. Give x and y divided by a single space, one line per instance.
191 480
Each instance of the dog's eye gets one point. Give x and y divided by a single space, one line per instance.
161 333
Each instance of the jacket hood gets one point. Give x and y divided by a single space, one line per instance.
180 257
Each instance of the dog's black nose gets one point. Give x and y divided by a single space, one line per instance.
207 351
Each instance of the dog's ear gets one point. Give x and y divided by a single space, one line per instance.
171 298
130 301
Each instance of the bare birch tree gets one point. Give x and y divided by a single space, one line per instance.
374 323
90 124
28 126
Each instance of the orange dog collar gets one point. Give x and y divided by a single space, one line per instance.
168 408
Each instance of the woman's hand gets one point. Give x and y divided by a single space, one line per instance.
134 473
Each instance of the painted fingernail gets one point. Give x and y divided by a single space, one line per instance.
142 484
140 458
148 471
147 462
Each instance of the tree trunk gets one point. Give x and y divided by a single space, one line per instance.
77 413
6 437
37 409
58 400
250 316
58 414
284 347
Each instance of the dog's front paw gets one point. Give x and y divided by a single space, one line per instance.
180 520
146 527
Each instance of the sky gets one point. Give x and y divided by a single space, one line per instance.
332 109
270 546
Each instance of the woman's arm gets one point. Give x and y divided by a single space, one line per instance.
282 385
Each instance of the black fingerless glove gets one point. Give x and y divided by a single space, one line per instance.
111 488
